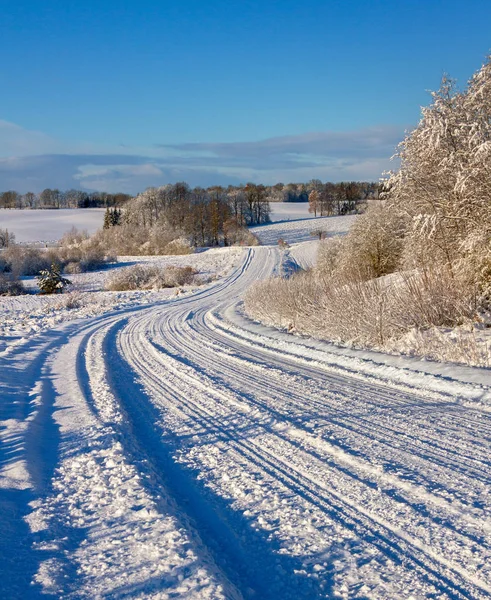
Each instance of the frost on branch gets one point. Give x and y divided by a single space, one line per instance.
417 261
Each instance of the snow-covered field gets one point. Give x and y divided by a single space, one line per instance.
23 316
49 225
302 230
171 448
288 211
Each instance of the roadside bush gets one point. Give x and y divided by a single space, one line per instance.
373 246
175 276
245 237
365 313
148 277
71 301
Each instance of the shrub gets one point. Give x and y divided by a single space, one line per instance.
138 240
10 285
245 237
6 238
78 253
366 313
74 237
71 300
177 247
25 261
146 277
373 246
175 276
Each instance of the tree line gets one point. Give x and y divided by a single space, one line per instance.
326 198
54 199
207 217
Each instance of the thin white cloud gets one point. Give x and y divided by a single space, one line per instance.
16 141
32 160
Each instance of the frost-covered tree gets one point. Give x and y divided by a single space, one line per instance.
373 245
314 203
444 183
50 281
6 238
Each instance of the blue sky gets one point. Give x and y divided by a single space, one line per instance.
124 94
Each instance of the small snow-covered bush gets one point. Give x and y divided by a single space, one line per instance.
147 277
180 246
72 300
174 276
6 238
130 278
25 261
10 285
78 253
74 237
373 246
245 237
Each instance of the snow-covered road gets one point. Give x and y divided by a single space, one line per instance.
178 450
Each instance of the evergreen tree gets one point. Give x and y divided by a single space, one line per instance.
50 280
107 219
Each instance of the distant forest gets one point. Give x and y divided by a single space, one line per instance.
54 199
329 198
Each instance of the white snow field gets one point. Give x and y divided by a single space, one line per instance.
175 449
302 230
49 225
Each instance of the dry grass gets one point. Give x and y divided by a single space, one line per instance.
379 313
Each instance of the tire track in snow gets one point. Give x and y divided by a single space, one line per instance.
169 327
239 552
386 537
331 410
237 453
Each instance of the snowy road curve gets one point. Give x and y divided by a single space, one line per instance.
180 451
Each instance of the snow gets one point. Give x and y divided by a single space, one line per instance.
49 225
301 230
287 211
157 445
24 316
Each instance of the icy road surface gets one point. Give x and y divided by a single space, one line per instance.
179 451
